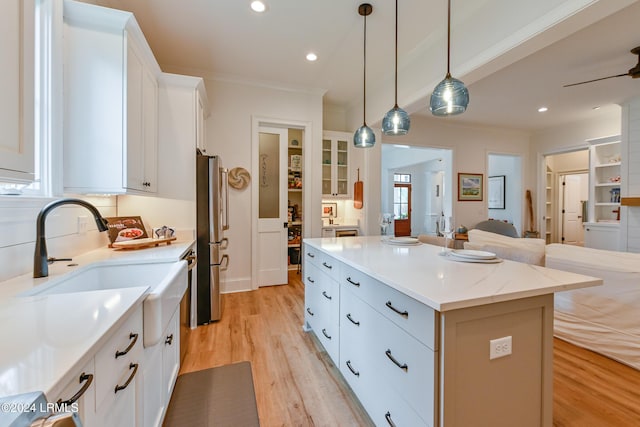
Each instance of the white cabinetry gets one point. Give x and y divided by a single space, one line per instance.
602 231
322 299
108 388
17 88
111 91
336 179
182 110
383 341
162 363
79 394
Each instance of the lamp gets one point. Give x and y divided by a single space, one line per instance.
364 136
396 121
450 96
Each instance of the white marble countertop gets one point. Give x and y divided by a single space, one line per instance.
441 283
44 338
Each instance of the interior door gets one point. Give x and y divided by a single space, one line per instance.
402 209
573 188
272 207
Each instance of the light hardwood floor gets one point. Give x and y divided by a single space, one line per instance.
297 384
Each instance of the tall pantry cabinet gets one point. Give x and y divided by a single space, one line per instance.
110 103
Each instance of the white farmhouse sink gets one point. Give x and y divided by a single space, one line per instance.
167 283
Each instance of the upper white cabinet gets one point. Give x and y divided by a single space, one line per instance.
17 89
336 181
183 108
110 103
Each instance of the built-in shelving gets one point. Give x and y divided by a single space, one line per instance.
295 189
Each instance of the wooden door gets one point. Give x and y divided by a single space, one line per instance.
272 207
402 209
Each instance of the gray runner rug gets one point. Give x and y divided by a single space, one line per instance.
217 397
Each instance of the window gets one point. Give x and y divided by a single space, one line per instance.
43 78
401 201
402 177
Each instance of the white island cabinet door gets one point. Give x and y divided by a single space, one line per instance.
16 86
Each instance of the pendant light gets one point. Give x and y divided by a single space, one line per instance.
364 136
450 97
396 121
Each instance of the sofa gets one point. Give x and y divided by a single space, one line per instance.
603 318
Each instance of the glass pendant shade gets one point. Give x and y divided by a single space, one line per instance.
364 137
396 122
450 97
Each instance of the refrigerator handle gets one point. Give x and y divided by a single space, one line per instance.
224 243
224 262
225 173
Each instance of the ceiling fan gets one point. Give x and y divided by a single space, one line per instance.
633 72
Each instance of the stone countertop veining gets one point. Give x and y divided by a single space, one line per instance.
442 283
46 337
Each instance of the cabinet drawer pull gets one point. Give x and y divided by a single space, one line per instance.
310 280
353 371
133 337
324 293
310 255
133 366
401 313
351 319
169 339
352 282
327 265
83 377
387 417
403 366
324 332
310 312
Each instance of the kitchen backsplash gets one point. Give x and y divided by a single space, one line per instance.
18 232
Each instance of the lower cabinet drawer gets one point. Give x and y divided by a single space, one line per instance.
411 315
79 394
407 365
118 360
387 408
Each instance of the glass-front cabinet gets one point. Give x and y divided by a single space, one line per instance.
335 165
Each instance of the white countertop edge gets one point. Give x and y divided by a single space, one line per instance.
584 281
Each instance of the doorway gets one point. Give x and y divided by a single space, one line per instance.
574 190
430 173
278 199
555 167
402 204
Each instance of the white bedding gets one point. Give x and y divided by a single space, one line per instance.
606 318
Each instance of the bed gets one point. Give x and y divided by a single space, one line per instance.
605 319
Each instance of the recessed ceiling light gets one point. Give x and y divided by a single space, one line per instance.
258 6
311 56
542 109
597 107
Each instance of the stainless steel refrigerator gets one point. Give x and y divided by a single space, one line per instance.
212 206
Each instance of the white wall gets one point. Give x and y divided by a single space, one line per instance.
229 134
18 232
630 185
511 168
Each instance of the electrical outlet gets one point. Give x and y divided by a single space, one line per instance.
499 347
83 224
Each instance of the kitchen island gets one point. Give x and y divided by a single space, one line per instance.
425 340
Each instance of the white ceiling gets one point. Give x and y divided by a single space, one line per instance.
224 38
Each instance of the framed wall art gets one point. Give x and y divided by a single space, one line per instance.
329 210
470 187
495 192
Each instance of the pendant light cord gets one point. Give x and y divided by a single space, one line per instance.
396 78
364 79
448 38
